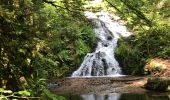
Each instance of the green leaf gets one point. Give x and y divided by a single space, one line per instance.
22 51
2 97
7 91
1 90
24 93
52 96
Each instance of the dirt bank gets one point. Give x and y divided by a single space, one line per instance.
158 67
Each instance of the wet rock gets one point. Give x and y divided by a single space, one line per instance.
94 69
105 66
109 38
98 85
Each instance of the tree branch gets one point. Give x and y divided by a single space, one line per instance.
134 10
53 4
114 6
137 12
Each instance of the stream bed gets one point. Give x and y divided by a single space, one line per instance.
105 88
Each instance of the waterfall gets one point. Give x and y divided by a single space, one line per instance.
102 62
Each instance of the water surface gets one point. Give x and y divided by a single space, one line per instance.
120 96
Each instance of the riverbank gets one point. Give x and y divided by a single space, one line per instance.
98 85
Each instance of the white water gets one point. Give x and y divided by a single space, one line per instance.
112 96
102 62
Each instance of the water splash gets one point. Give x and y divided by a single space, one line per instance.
102 62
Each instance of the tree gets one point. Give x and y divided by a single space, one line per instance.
41 39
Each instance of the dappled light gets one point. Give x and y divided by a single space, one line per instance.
44 41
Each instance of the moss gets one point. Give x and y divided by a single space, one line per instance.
158 84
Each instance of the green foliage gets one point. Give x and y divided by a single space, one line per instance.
156 42
134 53
73 42
150 40
8 94
45 39
41 39
24 93
48 95
130 58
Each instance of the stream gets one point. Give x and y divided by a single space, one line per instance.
105 88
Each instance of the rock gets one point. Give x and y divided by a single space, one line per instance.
98 85
158 83
158 67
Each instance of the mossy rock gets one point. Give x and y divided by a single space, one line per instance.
158 84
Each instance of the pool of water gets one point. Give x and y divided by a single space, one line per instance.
120 96
105 88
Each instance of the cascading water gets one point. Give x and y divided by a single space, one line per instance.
102 62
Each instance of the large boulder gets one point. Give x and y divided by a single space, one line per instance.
159 69
158 84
